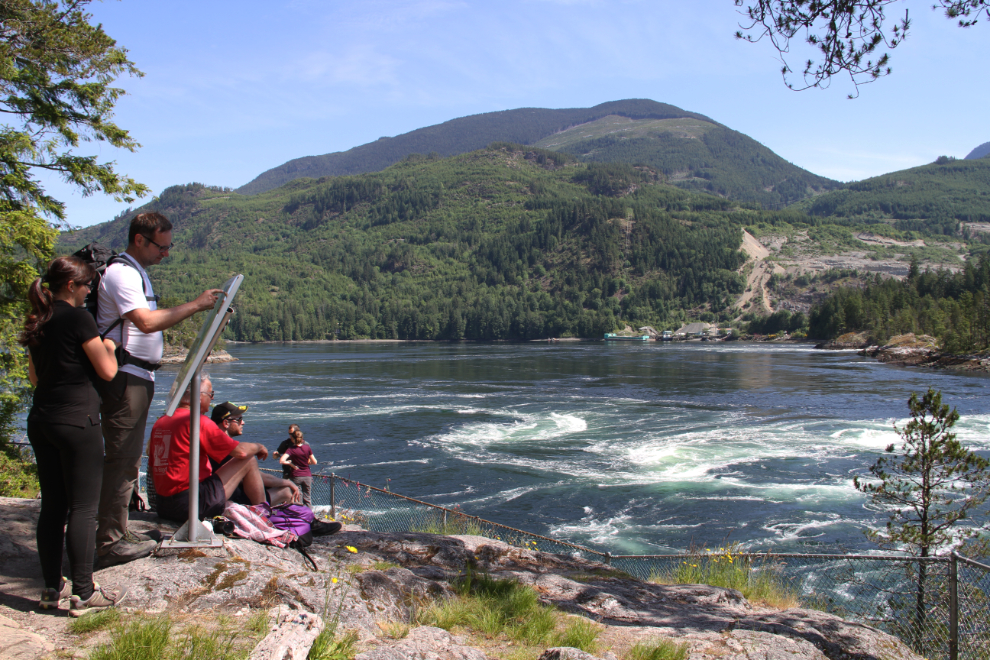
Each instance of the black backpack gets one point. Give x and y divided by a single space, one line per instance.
100 257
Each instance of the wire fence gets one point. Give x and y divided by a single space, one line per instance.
939 606
381 510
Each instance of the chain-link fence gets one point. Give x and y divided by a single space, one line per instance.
909 597
940 606
380 510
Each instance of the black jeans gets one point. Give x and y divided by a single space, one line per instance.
70 471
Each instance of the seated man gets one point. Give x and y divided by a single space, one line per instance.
230 419
168 463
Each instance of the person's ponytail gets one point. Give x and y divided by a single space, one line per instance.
61 271
42 305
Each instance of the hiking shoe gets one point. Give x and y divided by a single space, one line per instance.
321 528
101 599
50 598
123 552
141 537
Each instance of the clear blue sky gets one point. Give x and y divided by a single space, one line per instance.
234 88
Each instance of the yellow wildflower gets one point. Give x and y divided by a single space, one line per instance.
351 548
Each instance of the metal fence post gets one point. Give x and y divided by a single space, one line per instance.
333 497
953 607
608 558
444 528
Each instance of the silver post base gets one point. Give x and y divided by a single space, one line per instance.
205 538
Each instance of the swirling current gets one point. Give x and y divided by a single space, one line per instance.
632 448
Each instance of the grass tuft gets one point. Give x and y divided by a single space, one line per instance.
143 639
395 629
157 639
658 649
506 609
456 524
764 583
580 633
202 644
94 621
258 623
326 646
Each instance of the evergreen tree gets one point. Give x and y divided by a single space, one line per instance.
929 484
55 75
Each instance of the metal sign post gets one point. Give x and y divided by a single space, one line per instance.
193 533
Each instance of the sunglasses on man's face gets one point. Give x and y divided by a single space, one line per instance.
161 248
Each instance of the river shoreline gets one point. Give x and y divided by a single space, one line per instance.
902 351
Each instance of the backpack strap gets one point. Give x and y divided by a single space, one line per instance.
123 357
122 259
306 555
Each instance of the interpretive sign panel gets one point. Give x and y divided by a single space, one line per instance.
205 340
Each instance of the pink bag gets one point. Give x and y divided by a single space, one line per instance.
252 523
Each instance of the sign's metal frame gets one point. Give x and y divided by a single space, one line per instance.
191 534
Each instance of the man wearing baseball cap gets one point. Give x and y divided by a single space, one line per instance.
228 412
230 419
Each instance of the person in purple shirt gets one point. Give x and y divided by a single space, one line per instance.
299 456
285 444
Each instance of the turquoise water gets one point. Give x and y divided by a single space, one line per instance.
632 448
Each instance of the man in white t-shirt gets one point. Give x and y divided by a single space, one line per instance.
128 309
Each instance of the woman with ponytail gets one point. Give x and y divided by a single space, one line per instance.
66 359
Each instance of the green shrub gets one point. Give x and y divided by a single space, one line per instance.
18 476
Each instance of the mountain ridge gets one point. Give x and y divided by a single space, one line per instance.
934 197
980 152
721 161
485 128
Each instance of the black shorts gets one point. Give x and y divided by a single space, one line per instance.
212 501
240 497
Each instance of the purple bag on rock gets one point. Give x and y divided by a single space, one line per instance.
295 518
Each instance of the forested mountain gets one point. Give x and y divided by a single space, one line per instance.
695 155
508 242
933 198
981 151
504 243
949 197
458 136
691 150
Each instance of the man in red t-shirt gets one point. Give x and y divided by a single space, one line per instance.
168 462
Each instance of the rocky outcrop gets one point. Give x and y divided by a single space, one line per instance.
908 350
367 580
291 637
425 643
905 349
848 341
16 643
923 351
177 355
